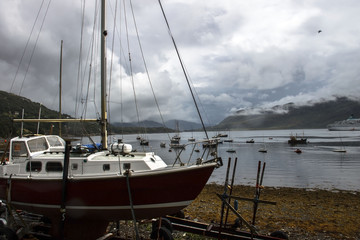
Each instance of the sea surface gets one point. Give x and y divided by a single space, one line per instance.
318 166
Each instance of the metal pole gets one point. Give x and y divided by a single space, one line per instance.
60 86
259 181
22 124
127 173
64 188
38 125
224 195
103 77
231 189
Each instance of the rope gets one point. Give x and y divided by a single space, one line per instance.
80 57
27 43
111 62
183 68
132 75
146 68
32 53
131 205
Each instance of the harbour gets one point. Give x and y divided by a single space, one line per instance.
89 187
318 166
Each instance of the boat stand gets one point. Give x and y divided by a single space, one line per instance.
222 231
15 224
211 230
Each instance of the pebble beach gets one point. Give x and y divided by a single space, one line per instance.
300 213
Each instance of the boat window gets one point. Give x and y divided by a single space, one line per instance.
106 167
74 166
54 141
19 149
38 144
33 166
54 167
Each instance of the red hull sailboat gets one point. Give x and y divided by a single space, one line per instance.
81 191
154 194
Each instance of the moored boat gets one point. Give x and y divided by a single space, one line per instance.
294 140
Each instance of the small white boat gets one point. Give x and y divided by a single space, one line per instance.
231 150
263 150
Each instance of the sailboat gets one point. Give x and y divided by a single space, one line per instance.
80 192
342 149
263 148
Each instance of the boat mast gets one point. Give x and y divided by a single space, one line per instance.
60 85
103 121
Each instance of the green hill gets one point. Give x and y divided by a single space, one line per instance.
12 105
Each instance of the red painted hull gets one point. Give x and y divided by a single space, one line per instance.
154 195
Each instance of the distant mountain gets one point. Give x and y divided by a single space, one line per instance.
183 125
147 124
171 124
290 116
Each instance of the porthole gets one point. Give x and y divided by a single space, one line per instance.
106 167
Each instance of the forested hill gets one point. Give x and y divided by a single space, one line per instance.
12 105
318 115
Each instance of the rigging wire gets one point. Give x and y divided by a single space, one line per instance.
111 62
183 68
78 95
27 43
121 79
32 53
88 71
94 56
146 68
131 69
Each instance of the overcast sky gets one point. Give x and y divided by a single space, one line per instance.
238 54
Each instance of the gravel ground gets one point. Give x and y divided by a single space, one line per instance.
300 213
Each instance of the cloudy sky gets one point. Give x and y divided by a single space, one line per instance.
238 54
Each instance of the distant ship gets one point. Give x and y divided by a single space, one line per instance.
350 124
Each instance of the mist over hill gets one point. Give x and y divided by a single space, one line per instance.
290 116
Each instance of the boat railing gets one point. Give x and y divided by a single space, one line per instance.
208 154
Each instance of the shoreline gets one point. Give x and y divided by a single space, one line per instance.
299 212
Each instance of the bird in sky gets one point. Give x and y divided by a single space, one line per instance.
319 31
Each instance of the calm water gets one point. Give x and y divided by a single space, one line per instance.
316 167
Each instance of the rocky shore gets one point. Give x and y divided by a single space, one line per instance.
300 213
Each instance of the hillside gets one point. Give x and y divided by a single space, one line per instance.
318 115
312 116
12 106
